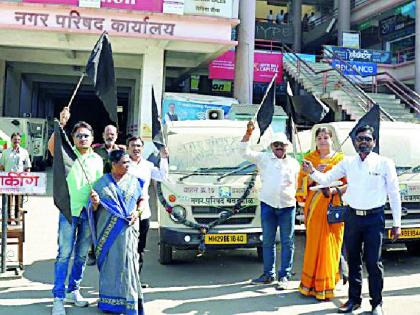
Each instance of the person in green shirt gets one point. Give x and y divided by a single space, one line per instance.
75 237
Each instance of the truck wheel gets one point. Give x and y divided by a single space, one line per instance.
165 254
413 248
260 253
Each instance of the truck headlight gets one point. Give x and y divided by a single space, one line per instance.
178 214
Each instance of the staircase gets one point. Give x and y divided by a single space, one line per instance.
342 92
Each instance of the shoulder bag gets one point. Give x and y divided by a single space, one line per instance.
337 214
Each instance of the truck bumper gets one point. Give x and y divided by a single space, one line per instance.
190 239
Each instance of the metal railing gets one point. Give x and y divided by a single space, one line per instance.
338 78
398 88
402 91
356 3
404 55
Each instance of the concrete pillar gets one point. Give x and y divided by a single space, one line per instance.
152 75
244 62
2 85
11 105
344 12
417 69
297 24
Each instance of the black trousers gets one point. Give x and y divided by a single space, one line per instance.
144 229
363 240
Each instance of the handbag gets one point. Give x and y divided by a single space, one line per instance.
337 214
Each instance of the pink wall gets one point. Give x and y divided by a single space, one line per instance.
265 65
141 5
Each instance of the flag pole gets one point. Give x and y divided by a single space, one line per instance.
76 89
265 96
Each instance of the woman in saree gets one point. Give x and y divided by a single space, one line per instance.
320 272
113 212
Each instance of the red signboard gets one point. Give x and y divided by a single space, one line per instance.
139 5
265 66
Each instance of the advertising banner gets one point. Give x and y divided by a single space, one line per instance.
304 57
362 55
184 106
140 5
351 39
265 66
356 68
211 8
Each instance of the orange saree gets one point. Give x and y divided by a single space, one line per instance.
320 272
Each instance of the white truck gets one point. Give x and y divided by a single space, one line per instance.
210 199
400 142
34 137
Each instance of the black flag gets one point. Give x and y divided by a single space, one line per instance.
64 158
100 70
371 118
157 135
266 110
309 107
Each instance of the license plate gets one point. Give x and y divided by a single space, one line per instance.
408 233
220 239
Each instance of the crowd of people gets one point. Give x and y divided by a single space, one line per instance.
109 204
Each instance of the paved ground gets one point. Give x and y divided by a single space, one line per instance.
214 284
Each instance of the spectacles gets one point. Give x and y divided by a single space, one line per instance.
278 144
363 138
81 136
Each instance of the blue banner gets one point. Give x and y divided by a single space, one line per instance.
189 109
361 55
356 68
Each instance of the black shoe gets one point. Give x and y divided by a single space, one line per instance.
348 307
263 279
144 285
91 261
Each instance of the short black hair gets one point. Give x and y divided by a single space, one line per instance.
135 138
116 155
366 128
15 134
82 124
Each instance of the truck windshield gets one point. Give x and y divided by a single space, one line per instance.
212 152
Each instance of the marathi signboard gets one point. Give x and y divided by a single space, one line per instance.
140 5
265 66
127 24
362 55
219 8
24 183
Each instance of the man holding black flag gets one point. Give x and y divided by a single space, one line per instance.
75 171
279 174
371 178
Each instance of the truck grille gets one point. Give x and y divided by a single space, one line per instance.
410 211
206 214
217 210
228 222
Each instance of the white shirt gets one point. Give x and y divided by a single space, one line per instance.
368 183
278 177
146 171
15 160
